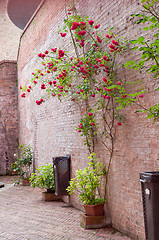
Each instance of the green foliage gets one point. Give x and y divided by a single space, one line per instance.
87 181
149 48
24 162
43 177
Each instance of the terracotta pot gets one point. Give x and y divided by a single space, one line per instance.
94 210
25 182
50 196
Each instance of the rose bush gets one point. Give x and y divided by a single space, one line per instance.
86 77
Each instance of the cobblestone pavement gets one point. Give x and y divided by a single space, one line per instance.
24 216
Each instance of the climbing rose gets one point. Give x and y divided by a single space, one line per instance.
61 53
97 26
104 79
46 52
54 49
23 95
96 66
112 46
93 95
104 58
92 123
35 81
115 42
82 43
119 83
81 33
99 40
91 22
141 96
119 124
90 114
63 34
28 90
43 86
75 25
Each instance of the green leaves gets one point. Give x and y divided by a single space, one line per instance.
43 177
24 162
87 181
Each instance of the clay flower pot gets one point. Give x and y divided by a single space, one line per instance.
94 210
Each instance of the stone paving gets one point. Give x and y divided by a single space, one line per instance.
24 216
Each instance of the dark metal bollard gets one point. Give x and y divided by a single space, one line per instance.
150 196
61 166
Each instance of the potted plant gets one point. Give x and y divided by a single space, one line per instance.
22 166
44 178
87 183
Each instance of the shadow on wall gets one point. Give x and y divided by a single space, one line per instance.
20 11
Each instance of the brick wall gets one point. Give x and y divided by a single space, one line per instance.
8 114
9 35
50 128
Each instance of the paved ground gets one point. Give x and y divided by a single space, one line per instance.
24 216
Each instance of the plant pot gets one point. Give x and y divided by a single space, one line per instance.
25 182
94 210
50 196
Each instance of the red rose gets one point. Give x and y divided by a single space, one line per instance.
91 22
115 42
93 95
119 124
23 95
28 90
96 66
82 43
92 123
141 96
75 25
90 114
104 79
104 58
112 46
63 34
54 49
99 40
97 26
98 89
61 53
119 83
43 86
35 82
46 52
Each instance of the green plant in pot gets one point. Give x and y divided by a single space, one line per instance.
44 178
87 183
23 164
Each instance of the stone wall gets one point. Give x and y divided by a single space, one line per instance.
50 128
8 114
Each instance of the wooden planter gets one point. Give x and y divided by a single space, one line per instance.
25 182
89 222
94 210
50 196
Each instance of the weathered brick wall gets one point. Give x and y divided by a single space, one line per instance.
50 128
9 35
8 114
